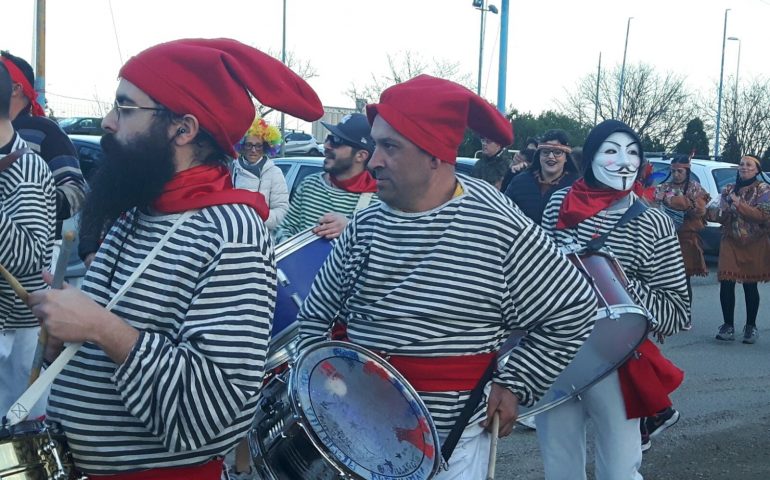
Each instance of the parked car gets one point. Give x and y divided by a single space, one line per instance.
82 125
713 176
300 143
295 169
89 153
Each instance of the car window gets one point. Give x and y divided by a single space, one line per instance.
661 170
464 168
90 158
723 176
303 172
285 167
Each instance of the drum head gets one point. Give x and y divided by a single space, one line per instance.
362 414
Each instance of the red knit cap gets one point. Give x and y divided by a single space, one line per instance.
433 114
212 78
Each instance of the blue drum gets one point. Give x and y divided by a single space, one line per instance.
298 260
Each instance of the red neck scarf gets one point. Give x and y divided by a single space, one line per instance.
205 186
361 183
26 88
583 201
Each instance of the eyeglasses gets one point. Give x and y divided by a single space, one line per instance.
336 141
556 153
129 108
253 146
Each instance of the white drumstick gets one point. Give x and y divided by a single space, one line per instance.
493 447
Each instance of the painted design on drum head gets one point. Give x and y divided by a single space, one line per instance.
366 419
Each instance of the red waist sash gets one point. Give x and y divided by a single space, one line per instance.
443 374
211 470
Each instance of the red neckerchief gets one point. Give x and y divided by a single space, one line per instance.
26 88
583 201
205 186
361 183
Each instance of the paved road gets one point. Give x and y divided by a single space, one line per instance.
724 432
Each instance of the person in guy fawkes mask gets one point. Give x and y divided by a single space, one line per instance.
648 250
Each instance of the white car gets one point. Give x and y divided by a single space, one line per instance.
300 143
713 176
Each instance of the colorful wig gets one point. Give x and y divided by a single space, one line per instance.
269 135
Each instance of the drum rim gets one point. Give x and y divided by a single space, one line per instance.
294 243
313 436
648 328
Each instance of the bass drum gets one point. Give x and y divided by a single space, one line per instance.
298 260
342 412
621 326
35 451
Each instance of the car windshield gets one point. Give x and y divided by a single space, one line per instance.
723 176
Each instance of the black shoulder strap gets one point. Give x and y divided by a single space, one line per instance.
636 209
8 160
462 421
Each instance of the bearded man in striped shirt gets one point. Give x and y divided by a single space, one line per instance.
437 276
166 382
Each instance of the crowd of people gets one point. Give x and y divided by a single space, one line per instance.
430 269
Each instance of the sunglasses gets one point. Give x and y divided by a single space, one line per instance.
336 141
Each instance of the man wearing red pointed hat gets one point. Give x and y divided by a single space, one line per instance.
325 201
606 207
47 140
437 275
167 379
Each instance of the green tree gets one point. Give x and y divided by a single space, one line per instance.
694 139
527 125
650 145
732 150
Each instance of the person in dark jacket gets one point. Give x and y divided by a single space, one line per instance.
552 169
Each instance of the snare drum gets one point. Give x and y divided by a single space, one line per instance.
298 260
35 451
621 326
342 412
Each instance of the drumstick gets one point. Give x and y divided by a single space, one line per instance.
68 242
493 447
15 285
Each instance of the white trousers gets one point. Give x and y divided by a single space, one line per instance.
470 458
561 432
17 350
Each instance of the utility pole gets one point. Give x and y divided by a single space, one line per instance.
502 70
719 95
283 60
598 78
40 52
623 71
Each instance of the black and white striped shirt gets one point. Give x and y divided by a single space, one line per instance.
647 249
27 223
188 390
451 281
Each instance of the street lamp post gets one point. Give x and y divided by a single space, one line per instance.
479 5
737 73
283 60
623 70
719 95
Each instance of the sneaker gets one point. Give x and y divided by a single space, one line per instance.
660 422
750 334
646 443
726 332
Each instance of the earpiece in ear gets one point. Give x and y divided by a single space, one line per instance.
181 131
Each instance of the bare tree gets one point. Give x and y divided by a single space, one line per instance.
405 65
745 119
657 106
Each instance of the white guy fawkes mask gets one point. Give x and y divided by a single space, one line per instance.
617 161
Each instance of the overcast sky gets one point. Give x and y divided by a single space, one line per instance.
551 42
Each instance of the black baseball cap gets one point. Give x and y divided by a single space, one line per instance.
355 130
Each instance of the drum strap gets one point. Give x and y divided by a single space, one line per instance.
363 201
21 408
636 209
8 160
470 406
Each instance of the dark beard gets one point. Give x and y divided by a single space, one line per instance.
129 176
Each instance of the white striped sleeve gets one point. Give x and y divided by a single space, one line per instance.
554 303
